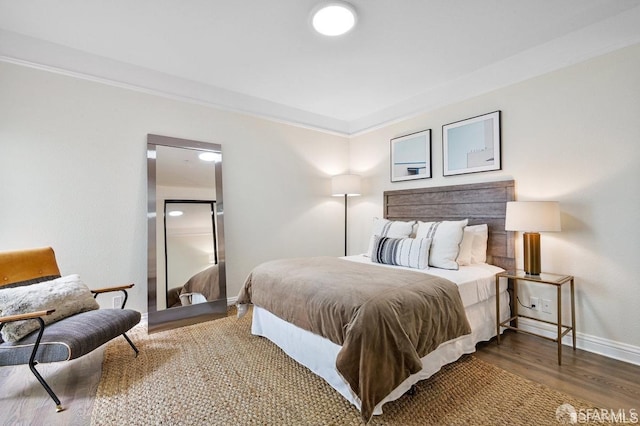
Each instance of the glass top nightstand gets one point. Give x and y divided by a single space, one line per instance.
544 278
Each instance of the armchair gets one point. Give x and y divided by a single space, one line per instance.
67 338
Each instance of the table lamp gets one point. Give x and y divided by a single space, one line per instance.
347 186
532 217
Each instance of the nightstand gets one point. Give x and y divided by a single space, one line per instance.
543 278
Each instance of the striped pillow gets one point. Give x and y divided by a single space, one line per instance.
410 252
446 237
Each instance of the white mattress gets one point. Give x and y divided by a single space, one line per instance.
475 282
477 288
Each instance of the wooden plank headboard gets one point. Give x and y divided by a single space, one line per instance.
478 202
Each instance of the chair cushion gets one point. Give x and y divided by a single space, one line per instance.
71 337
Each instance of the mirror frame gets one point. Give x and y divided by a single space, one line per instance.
165 319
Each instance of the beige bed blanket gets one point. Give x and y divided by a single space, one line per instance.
384 319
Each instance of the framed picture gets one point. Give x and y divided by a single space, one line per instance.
472 145
411 156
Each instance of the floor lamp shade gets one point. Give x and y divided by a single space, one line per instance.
346 186
532 217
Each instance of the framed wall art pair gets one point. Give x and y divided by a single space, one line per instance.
468 146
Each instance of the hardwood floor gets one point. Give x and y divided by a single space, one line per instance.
23 401
606 382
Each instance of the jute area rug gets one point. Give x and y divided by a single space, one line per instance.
217 373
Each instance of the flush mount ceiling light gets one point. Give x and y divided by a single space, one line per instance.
333 18
175 213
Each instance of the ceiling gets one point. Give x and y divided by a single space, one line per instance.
181 167
261 57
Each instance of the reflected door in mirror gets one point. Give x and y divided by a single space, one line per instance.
191 252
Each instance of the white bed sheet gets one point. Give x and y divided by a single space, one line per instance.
320 354
475 282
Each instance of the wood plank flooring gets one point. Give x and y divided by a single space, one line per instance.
23 401
606 382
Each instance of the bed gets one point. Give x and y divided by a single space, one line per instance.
324 352
200 288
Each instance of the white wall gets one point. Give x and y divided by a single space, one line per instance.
73 176
572 136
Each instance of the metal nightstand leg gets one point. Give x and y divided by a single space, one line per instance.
559 320
498 308
573 315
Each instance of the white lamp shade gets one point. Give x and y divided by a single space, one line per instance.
345 185
533 216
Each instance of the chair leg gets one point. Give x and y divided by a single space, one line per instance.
46 387
32 367
131 343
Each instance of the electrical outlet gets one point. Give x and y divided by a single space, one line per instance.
534 302
117 302
546 306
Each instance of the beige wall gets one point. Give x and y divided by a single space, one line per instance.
73 176
572 136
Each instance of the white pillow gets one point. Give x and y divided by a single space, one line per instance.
391 229
410 252
479 247
67 295
445 237
464 255
473 248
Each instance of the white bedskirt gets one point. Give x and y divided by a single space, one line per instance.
319 354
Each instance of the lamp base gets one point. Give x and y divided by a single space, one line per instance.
531 242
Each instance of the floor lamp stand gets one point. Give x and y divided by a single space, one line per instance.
345 224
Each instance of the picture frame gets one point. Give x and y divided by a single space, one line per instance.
411 156
472 145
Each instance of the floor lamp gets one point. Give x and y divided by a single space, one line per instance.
532 217
346 186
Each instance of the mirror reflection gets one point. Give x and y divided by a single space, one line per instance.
191 252
186 233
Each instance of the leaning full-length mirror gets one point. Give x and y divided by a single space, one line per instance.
186 267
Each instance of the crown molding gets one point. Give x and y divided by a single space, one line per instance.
595 40
35 53
600 38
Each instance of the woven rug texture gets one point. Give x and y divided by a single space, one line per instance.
217 373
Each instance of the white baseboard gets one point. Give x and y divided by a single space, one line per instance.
609 348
